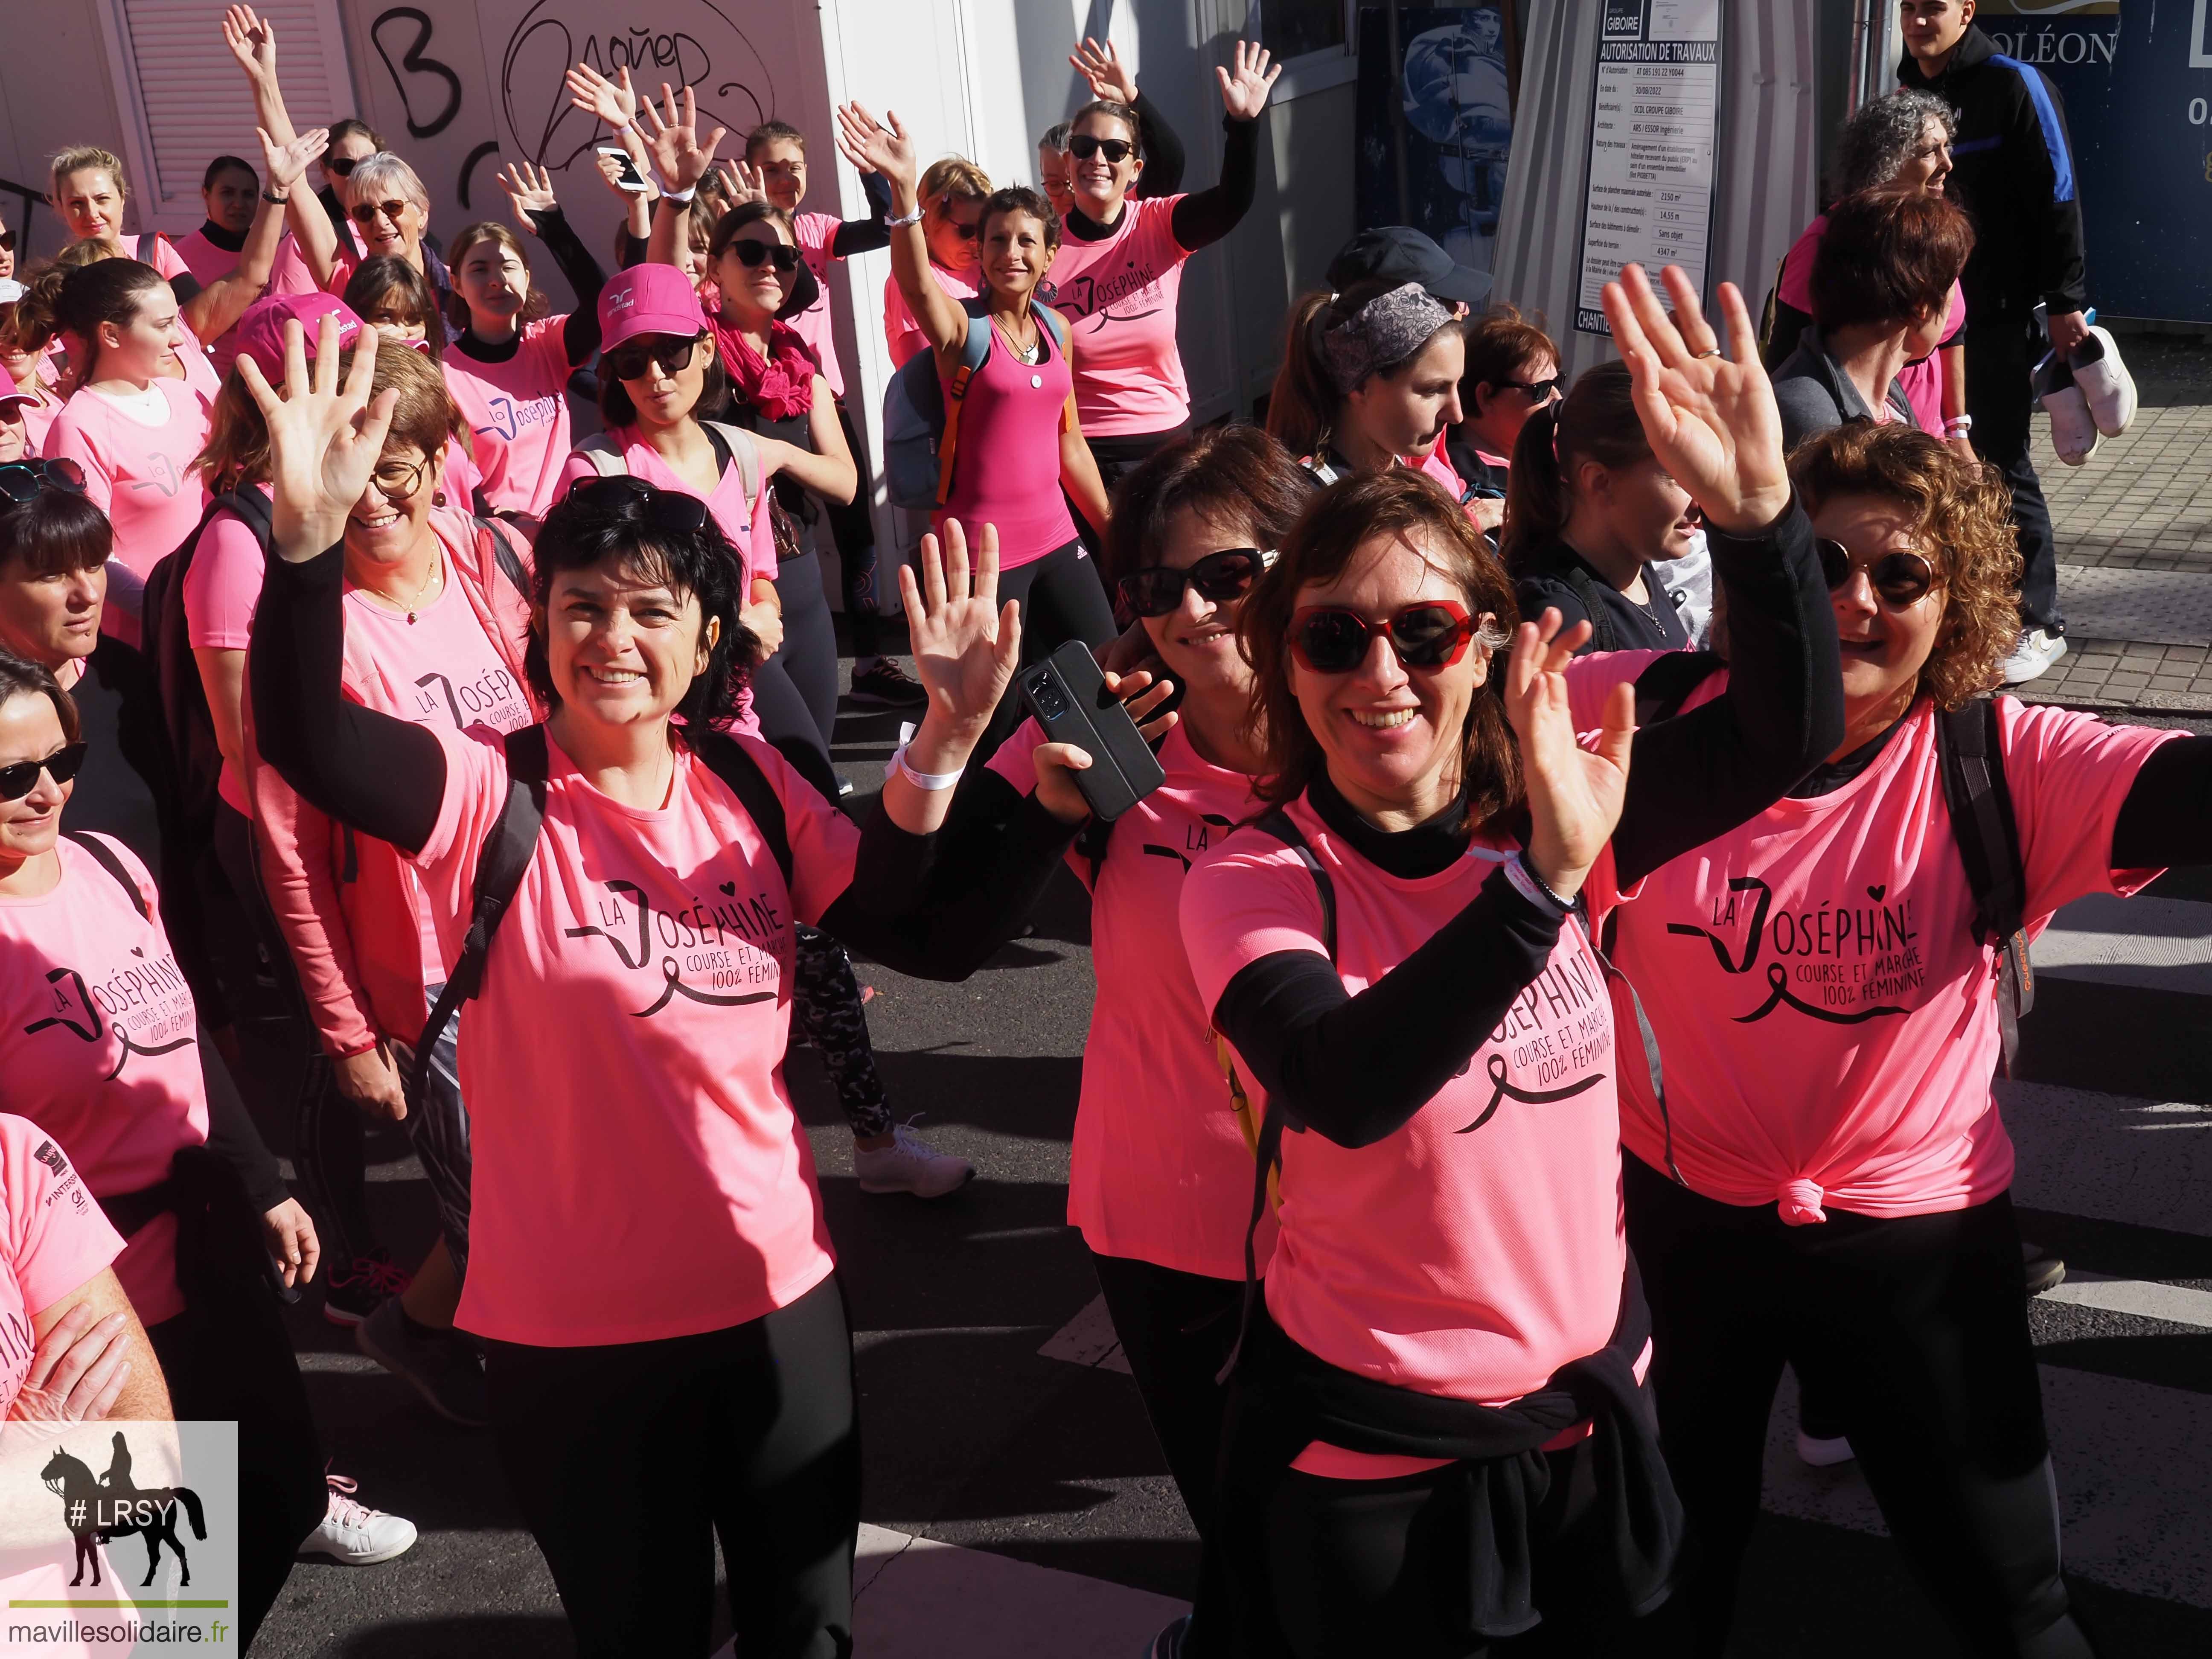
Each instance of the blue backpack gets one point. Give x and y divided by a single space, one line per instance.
922 429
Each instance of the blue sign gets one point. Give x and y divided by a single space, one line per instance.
1450 90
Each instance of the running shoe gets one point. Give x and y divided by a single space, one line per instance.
910 1164
2045 1271
885 683
439 1365
2106 385
2032 656
355 1534
354 1293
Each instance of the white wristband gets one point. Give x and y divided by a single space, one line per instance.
1958 423
683 196
932 781
913 218
1526 882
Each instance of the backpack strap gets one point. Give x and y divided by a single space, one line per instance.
727 759
978 348
1970 756
104 856
503 554
1056 322
742 451
605 456
1268 1140
1577 582
505 856
1668 683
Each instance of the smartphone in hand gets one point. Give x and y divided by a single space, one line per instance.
629 178
1067 694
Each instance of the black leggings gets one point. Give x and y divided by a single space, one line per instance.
1914 1332
1178 1329
854 526
629 1461
1062 598
808 655
2001 355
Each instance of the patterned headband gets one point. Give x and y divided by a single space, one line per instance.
1387 329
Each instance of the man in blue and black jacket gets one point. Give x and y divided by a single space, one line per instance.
2013 170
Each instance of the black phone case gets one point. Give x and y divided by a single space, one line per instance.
1067 694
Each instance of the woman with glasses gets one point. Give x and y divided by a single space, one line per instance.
30 375
1117 273
1511 371
1437 1435
668 1352
510 369
391 214
1825 1182
951 195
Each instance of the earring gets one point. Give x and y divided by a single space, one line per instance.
437 498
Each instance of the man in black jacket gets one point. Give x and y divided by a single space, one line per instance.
2013 170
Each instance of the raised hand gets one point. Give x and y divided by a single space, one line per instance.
1712 422
1141 693
1574 794
744 181
252 43
671 135
965 644
284 163
323 438
1101 66
613 101
874 146
1244 91
530 190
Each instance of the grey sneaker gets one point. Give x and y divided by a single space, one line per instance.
355 1534
2033 656
443 1368
910 1164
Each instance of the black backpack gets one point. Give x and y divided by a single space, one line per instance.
512 841
1969 757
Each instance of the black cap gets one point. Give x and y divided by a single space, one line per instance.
1400 254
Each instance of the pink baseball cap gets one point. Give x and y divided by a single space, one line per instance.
261 330
649 300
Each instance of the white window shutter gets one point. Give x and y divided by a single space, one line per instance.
177 80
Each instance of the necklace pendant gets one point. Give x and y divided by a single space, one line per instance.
1036 382
411 619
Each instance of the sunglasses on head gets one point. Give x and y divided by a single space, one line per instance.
633 359
1221 577
1328 639
365 213
19 780
663 509
751 252
340 167
1902 580
1083 147
22 481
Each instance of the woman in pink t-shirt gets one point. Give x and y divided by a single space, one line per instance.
99 1042
397 302
89 194
510 369
1826 1182
649 1247
952 197
1450 1310
27 368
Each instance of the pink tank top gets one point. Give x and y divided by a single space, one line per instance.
1006 468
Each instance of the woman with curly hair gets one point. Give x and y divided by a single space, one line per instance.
1825 1181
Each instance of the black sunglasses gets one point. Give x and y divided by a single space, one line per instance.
967 233
1083 147
340 167
1220 577
6 241
19 780
22 481
1540 391
1902 580
1330 638
633 359
664 509
751 252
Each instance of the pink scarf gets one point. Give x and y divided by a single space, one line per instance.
779 385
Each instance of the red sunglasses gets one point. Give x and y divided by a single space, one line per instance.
1328 639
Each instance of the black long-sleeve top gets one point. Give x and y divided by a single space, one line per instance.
1163 150
386 777
1204 216
579 334
1356 1068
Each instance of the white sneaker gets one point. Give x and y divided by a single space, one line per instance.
1823 1453
354 1533
2073 428
2033 656
910 1164
2106 384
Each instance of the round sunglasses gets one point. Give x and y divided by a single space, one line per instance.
22 481
1221 577
1328 639
365 213
633 359
19 780
1083 147
1901 580
751 251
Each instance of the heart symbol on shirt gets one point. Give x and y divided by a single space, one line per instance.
730 888
137 950
1876 893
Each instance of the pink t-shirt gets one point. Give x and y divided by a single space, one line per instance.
53 1237
1006 464
1159 1171
1922 380
517 412
901 332
159 254
97 1044
221 587
204 259
750 532
38 418
1447 1259
1120 296
136 471
1437 467
639 1171
1827 1019
815 233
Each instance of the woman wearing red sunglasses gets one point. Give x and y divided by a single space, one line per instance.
1438 1436
1826 1183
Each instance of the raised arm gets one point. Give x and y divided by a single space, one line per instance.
672 138
1204 216
870 144
1115 81
537 210
215 309
252 43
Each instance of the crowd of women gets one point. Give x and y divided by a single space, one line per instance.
1580 1003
